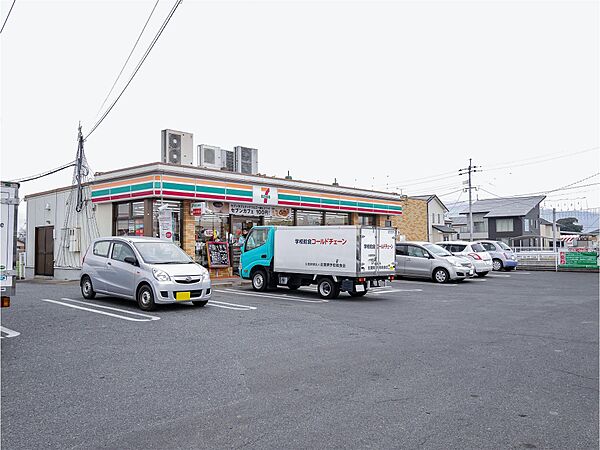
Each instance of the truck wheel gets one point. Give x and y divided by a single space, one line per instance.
145 298
441 275
328 288
497 265
87 290
259 280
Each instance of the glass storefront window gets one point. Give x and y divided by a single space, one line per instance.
366 219
210 227
305 218
279 221
175 208
332 218
129 219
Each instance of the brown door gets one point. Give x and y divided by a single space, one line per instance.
44 251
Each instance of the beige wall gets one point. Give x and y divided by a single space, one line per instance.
413 221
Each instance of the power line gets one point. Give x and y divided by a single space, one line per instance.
128 58
544 159
175 6
5 20
44 174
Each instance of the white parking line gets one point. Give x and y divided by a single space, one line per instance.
8 332
425 283
146 319
234 306
498 275
263 295
478 280
518 272
388 291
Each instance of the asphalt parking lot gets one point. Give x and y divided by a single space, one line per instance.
509 361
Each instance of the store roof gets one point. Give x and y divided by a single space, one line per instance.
223 175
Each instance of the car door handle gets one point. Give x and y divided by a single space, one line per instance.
263 256
109 263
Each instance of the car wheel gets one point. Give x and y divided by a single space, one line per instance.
259 280
328 288
145 298
441 275
200 303
497 265
87 290
482 274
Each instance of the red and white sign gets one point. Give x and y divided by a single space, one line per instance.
198 208
264 195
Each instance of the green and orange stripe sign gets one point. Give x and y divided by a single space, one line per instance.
190 188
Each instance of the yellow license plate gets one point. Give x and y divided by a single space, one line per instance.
181 296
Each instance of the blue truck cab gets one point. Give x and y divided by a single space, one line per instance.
257 251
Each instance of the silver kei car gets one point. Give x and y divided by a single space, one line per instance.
426 260
148 270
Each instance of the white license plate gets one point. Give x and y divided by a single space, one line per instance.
359 288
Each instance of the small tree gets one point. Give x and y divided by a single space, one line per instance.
569 224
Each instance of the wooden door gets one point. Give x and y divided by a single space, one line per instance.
44 251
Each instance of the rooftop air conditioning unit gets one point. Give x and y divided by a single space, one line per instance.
228 160
210 156
177 147
246 160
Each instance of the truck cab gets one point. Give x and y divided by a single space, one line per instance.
257 251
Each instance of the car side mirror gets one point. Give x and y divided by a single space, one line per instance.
131 260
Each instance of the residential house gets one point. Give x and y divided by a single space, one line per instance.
437 230
513 220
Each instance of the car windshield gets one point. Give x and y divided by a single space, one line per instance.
162 253
437 250
477 248
504 246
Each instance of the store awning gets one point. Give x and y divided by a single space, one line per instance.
444 229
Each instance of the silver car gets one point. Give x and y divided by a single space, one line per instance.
426 260
503 258
148 270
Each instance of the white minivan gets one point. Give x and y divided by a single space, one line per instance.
480 258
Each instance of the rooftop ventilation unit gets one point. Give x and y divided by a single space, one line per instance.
177 147
246 160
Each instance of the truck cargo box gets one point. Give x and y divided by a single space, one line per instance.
351 251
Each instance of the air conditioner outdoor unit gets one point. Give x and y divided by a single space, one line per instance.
228 159
210 156
246 160
177 147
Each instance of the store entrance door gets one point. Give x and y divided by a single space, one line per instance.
238 224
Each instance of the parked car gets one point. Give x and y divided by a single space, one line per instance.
426 260
480 258
503 258
148 270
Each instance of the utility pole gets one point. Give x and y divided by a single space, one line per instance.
80 170
469 170
554 230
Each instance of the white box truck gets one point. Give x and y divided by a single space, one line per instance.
9 194
335 258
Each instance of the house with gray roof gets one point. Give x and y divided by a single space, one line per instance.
513 220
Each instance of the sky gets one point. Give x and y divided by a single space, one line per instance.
386 95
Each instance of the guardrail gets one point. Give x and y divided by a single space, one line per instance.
539 259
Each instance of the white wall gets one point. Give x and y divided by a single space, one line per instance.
104 218
434 207
45 210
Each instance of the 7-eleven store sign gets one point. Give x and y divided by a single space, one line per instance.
264 195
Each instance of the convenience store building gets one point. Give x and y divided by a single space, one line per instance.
200 205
